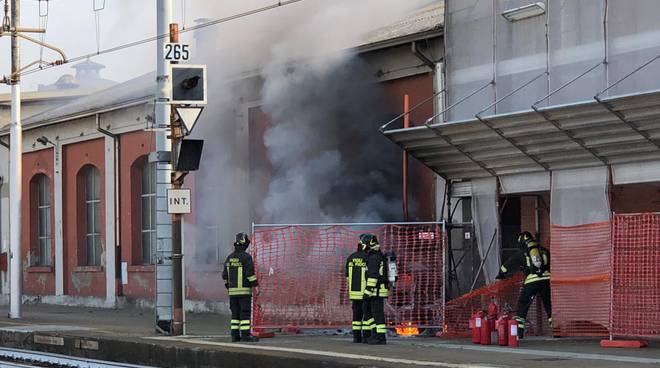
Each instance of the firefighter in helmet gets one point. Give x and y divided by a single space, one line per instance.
240 278
355 271
375 292
534 260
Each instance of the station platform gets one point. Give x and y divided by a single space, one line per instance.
128 336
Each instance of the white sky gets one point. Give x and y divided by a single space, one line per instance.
71 27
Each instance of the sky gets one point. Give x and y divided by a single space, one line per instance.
71 26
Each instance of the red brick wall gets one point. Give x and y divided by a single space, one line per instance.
80 280
635 198
421 180
528 216
135 147
36 280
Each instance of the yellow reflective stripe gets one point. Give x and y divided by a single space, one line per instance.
504 269
381 328
363 282
240 291
245 322
355 295
245 328
380 269
234 327
235 321
534 278
357 323
239 277
252 278
372 281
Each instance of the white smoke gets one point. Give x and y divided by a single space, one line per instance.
329 161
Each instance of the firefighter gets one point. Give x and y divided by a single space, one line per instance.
534 260
356 266
240 278
375 292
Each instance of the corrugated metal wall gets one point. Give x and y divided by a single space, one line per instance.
571 37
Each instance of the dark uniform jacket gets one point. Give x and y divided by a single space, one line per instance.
239 273
377 282
355 272
533 261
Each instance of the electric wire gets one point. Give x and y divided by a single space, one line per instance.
161 36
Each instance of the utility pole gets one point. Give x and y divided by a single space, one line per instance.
165 283
15 168
12 27
176 135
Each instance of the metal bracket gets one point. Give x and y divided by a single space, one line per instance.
160 156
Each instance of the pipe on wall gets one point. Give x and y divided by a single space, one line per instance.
117 221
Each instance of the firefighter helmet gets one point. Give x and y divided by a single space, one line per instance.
369 241
525 238
242 239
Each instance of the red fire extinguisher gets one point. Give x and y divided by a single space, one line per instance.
485 331
513 333
503 330
475 326
493 311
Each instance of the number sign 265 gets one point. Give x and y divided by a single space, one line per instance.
177 51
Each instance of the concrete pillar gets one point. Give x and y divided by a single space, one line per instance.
59 235
109 177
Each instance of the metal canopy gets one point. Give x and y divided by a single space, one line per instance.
613 130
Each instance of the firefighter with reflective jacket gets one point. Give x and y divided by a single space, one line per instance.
375 292
356 268
534 261
239 279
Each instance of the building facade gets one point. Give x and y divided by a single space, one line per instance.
89 190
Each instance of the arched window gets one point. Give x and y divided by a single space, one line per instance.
41 216
92 183
148 208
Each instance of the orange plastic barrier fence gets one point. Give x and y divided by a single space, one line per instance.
581 263
301 274
636 275
504 293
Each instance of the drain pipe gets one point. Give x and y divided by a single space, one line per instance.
425 59
117 150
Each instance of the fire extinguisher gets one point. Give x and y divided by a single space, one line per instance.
513 333
485 331
475 325
503 329
493 311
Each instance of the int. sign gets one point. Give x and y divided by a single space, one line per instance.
178 201
177 51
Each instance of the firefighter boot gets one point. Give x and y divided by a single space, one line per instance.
365 336
246 336
357 336
377 339
521 327
235 336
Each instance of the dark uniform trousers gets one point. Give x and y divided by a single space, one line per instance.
374 317
241 310
358 312
527 294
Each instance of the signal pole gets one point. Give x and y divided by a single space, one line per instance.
176 135
15 168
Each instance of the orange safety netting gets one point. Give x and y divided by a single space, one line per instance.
505 294
636 275
301 274
581 263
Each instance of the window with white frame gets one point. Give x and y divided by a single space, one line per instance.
148 198
92 216
42 188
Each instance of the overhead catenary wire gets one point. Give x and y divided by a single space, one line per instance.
160 36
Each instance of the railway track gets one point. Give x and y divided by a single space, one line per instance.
27 358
